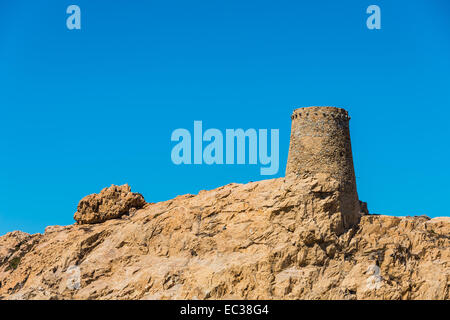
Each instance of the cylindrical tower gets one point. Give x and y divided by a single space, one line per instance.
320 143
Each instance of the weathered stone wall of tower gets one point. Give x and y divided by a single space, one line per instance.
320 143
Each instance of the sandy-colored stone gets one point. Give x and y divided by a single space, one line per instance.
273 239
305 236
320 144
110 203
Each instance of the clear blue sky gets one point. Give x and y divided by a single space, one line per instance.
81 110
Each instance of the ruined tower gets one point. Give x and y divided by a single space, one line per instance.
320 143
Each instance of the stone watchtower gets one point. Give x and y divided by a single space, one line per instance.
320 143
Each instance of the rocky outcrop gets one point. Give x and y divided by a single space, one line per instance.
110 203
275 239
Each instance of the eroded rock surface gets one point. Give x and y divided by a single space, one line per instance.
274 239
110 203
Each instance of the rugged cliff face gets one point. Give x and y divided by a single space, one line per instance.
274 239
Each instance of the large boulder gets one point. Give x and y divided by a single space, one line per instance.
110 203
277 239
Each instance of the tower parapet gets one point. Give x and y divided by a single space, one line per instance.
320 143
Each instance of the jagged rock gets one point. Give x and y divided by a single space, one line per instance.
275 239
110 203
11 244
